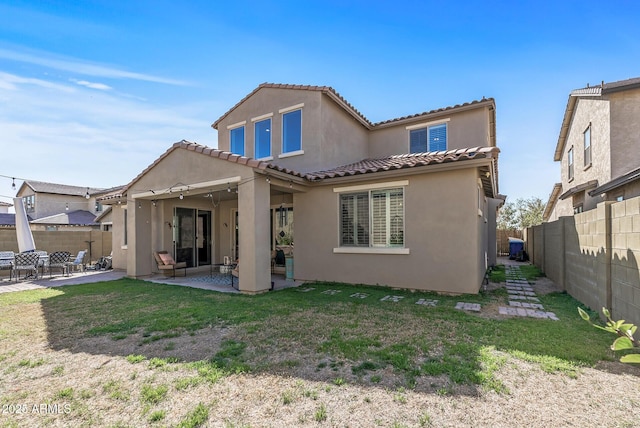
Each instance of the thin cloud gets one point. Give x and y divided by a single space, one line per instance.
92 85
11 82
80 67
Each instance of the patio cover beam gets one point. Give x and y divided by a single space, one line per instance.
207 185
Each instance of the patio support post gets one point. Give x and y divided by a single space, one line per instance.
139 252
254 232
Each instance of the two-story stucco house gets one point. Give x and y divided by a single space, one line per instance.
597 148
408 202
52 206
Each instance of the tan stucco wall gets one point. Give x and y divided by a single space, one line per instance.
465 129
625 131
330 137
441 230
594 111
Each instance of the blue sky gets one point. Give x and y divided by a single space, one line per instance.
92 92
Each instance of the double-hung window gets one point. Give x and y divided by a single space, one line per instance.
428 139
292 131
373 218
236 137
587 146
262 138
570 163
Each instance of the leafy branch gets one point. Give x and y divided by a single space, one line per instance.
625 332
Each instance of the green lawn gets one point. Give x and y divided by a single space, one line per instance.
323 333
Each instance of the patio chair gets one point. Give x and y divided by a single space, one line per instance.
43 261
6 261
78 262
59 260
27 262
166 263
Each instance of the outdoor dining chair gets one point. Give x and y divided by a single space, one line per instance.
59 260
27 262
6 261
77 262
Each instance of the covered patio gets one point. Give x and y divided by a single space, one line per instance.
205 211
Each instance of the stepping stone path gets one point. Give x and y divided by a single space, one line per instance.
359 295
331 292
305 290
522 299
427 302
475 307
391 298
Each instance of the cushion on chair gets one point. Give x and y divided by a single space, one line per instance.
166 258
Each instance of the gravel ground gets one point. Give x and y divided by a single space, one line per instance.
103 388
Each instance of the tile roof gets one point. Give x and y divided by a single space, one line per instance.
5 204
71 218
60 189
474 103
366 166
324 89
328 90
395 162
620 85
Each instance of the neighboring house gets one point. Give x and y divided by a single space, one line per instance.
4 207
409 202
597 148
52 206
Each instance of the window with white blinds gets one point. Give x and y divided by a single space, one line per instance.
428 139
372 219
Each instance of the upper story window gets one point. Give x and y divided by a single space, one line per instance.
570 163
587 146
236 140
99 207
428 139
29 203
292 131
373 218
262 129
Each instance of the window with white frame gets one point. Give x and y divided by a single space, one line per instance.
373 218
587 146
428 139
262 138
29 203
236 139
292 131
570 164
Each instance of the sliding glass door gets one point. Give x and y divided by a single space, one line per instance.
192 236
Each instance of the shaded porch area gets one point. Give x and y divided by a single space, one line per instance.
204 279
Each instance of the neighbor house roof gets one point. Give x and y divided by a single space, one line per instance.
5 204
588 91
629 177
8 219
58 189
350 109
71 218
366 166
553 199
579 188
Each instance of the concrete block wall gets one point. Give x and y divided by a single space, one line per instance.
625 249
594 256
